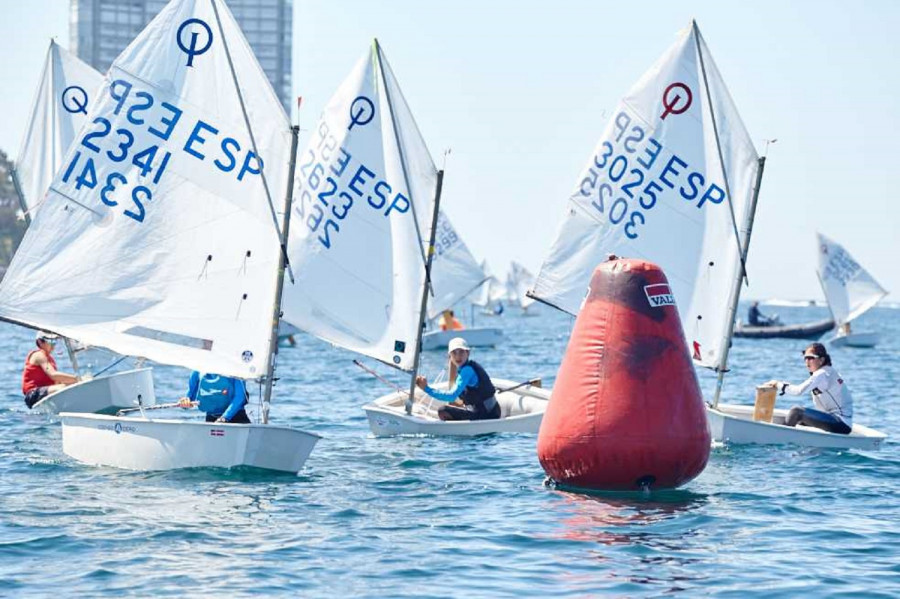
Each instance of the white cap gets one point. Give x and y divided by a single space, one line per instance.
457 343
45 335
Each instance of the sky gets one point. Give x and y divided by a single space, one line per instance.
519 92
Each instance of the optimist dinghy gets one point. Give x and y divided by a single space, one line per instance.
364 264
59 111
102 395
163 219
735 424
521 411
850 291
455 274
628 200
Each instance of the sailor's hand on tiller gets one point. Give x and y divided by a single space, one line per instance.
421 382
185 403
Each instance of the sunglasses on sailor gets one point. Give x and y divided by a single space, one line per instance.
810 357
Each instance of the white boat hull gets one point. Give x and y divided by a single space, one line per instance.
103 395
521 412
734 424
147 445
854 340
475 337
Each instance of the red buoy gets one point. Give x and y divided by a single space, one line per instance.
626 411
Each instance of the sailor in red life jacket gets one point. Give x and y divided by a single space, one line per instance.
40 377
830 395
472 394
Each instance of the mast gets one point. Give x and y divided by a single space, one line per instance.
276 313
424 305
736 290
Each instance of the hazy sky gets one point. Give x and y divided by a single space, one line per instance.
520 92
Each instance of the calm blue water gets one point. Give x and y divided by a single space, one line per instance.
457 517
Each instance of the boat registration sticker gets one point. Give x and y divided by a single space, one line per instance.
216 432
659 295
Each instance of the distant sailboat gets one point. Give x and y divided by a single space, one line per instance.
455 274
159 238
518 282
849 290
59 111
675 180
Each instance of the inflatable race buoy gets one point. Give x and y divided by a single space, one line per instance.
626 412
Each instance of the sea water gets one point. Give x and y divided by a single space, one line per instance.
452 517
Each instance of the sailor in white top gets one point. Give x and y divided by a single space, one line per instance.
833 403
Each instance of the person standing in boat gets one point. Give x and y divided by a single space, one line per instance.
472 395
40 377
833 410
223 398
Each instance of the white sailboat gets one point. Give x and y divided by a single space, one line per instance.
159 238
518 282
850 292
674 157
455 274
368 201
491 295
58 113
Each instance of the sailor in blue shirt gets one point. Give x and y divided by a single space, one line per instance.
472 394
223 398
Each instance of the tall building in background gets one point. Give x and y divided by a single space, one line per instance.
100 29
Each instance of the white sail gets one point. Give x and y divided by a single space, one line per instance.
59 111
362 219
519 281
454 271
849 289
157 238
655 188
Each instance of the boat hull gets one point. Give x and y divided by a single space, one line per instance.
103 395
148 445
811 330
521 412
475 337
734 424
854 340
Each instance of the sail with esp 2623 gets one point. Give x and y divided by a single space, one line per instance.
364 197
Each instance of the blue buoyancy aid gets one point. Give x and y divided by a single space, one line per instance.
482 392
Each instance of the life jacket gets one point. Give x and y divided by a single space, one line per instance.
215 393
482 392
450 324
33 376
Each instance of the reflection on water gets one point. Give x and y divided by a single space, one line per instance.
656 530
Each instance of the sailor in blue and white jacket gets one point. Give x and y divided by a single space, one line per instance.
833 403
